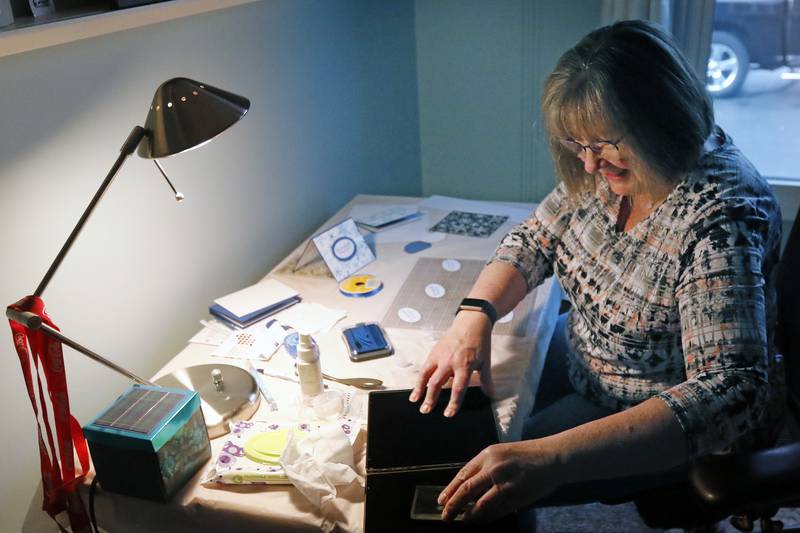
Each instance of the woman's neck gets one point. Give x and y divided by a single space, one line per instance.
633 209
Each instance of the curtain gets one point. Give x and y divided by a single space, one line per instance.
689 21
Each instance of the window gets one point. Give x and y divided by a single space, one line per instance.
755 47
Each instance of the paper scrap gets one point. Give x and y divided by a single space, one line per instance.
253 343
311 318
414 230
210 336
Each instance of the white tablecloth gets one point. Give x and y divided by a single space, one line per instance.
516 364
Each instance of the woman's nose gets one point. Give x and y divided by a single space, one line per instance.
591 161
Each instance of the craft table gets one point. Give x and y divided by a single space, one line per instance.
516 365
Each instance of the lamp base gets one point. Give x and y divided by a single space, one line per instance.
227 393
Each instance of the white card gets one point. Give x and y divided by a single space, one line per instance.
344 249
265 293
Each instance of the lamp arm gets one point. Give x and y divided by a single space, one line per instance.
33 321
137 134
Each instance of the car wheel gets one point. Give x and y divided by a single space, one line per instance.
728 65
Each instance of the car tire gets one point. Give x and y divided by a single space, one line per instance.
728 65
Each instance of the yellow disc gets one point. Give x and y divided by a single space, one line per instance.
268 447
360 285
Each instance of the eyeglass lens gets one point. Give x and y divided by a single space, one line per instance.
596 147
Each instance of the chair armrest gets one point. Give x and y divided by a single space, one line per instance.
738 481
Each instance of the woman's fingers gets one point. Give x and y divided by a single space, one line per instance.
469 489
467 471
457 391
422 382
456 356
435 384
492 505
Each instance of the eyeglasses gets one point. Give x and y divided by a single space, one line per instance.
597 147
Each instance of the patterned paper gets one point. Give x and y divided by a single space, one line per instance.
469 224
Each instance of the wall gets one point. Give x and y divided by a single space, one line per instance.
481 66
334 113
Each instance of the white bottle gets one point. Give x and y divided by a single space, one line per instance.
308 368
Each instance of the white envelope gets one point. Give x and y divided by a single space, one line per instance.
255 297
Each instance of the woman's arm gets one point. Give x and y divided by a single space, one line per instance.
503 478
522 261
466 345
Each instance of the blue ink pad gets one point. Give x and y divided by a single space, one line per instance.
416 246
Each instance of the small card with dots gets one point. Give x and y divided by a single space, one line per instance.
257 342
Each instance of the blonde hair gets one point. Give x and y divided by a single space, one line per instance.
628 81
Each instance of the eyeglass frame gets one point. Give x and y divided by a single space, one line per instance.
591 146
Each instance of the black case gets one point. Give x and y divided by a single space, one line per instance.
406 449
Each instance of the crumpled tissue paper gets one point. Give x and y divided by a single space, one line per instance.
318 462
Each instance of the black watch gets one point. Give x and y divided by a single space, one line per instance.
476 304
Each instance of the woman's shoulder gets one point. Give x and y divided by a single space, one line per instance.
724 180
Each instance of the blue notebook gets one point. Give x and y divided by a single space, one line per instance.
251 304
250 318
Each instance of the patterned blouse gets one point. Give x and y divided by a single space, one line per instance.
681 307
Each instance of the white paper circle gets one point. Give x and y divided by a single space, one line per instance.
507 318
434 290
408 314
451 265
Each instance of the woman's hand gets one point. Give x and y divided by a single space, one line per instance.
502 479
462 350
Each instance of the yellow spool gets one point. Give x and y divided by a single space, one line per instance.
360 285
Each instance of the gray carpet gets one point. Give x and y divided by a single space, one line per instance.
599 518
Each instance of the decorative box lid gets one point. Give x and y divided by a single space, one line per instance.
143 417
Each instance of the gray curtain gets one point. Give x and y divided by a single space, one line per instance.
689 21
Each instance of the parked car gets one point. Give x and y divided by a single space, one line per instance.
762 34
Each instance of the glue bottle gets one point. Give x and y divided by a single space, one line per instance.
308 368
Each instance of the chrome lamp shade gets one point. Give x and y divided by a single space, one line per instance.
186 114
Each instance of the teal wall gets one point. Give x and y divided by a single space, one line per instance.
480 68
334 113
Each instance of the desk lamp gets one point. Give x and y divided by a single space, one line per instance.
184 114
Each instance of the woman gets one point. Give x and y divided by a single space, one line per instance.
663 237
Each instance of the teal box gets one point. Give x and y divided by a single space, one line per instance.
150 442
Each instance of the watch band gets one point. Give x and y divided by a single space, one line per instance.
477 304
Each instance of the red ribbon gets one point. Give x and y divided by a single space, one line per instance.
59 479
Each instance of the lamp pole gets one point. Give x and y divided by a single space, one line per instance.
31 320
137 134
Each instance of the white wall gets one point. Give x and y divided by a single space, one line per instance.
334 113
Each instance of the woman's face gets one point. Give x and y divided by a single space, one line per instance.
611 164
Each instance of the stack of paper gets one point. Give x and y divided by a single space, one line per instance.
387 217
246 306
